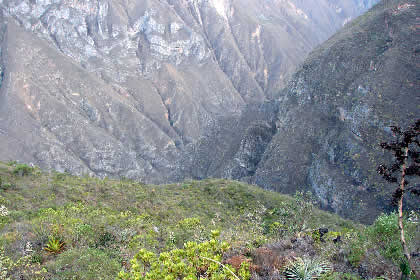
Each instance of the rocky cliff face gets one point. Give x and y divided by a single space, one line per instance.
124 88
337 108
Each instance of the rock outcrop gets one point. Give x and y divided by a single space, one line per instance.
333 114
124 88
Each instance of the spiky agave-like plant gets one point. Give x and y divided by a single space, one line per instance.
306 269
54 245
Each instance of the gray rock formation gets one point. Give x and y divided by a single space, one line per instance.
124 88
333 114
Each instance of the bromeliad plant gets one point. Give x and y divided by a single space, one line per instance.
194 261
54 245
306 269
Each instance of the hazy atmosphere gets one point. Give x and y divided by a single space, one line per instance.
209 139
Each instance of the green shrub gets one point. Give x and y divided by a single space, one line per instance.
258 241
189 229
83 234
37 258
194 261
316 236
289 218
357 249
6 185
386 234
383 236
22 170
22 268
105 238
332 235
5 266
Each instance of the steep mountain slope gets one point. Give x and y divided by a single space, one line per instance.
120 88
333 114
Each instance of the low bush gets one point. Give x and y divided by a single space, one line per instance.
22 268
22 170
194 261
385 233
6 185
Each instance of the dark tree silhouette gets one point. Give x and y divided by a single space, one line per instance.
406 151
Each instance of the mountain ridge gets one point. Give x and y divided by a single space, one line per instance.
337 108
143 79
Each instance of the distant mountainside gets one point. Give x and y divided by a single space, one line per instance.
124 88
323 132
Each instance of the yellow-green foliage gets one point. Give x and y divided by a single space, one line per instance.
331 235
385 231
22 170
5 265
194 261
23 268
111 220
54 245
382 236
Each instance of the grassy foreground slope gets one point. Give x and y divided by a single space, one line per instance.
57 226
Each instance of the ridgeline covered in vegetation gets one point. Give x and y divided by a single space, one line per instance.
57 226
